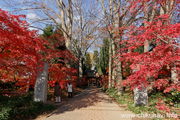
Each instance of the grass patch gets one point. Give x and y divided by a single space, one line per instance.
128 99
13 108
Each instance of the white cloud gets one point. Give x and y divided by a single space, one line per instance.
32 28
39 31
33 16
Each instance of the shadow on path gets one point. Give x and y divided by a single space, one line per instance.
88 97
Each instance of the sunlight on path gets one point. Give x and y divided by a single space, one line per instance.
91 104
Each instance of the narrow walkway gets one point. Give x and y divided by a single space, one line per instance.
91 104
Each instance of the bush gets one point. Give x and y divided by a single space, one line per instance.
4 113
104 88
13 108
174 97
127 98
112 92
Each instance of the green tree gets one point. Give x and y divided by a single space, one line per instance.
48 31
54 36
87 62
104 56
96 60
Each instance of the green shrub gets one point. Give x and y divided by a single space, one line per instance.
127 98
104 88
4 113
13 108
175 96
112 91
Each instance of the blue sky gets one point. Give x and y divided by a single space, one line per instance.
34 15
31 15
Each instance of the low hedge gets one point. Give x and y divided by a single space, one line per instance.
13 108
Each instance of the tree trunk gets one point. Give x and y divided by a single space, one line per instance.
113 65
67 43
80 69
67 27
117 38
118 70
174 76
110 65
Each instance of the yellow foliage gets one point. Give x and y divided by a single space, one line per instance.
91 56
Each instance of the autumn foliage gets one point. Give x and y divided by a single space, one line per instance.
22 52
158 63
19 49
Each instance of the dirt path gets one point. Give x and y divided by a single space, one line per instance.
91 104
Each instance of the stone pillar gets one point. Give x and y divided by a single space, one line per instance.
40 88
140 96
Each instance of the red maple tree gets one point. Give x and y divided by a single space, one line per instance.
165 37
22 52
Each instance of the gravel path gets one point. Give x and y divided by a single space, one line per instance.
91 104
